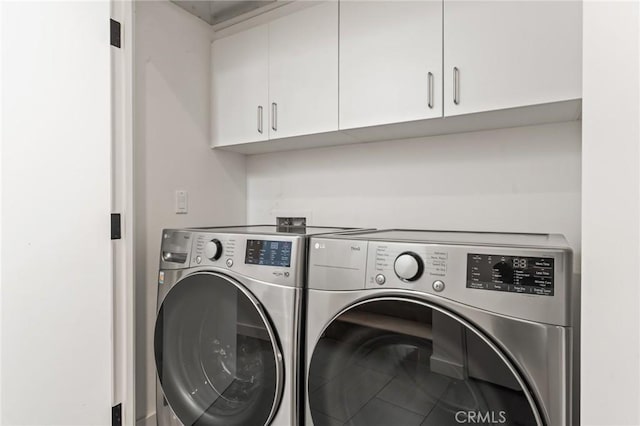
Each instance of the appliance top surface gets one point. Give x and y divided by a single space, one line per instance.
303 231
555 241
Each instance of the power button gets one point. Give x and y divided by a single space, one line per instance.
380 279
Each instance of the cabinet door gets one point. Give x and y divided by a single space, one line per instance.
240 87
390 62
303 72
511 53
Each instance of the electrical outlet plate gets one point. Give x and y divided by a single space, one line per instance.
291 221
285 213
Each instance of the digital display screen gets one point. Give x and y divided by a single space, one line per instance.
269 253
514 274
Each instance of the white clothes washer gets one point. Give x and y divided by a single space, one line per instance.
228 327
440 328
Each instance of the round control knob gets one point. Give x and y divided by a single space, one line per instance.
213 250
408 266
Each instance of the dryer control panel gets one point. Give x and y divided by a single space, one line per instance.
515 274
527 276
528 283
532 283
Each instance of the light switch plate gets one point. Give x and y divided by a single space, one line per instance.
182 202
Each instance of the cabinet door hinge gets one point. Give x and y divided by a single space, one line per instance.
116 415
116 35
116 227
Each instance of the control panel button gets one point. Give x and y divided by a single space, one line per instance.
438 286
380 279
229 263
213 249
408 266
198 259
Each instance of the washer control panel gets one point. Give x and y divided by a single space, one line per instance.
268 252
514 274
270 258
213 249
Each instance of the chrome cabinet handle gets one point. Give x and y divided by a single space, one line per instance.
260 119
430 90
274 116
456 85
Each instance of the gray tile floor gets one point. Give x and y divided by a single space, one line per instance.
395 386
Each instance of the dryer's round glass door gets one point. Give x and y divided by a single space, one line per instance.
217 357
404 362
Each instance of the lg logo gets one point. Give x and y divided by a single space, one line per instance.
478 417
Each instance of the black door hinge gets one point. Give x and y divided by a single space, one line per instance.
116 233
116 415
115 33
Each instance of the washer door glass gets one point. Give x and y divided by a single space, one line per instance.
403 362
216 355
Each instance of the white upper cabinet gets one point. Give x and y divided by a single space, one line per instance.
329 72
277 80
390 62
504 54
303 72
240 93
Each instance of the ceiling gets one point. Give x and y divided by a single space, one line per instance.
217 11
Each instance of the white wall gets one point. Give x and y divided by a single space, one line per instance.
56 181
611 214
172 80
522 180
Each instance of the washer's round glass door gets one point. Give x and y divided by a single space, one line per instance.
404 362
217 358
